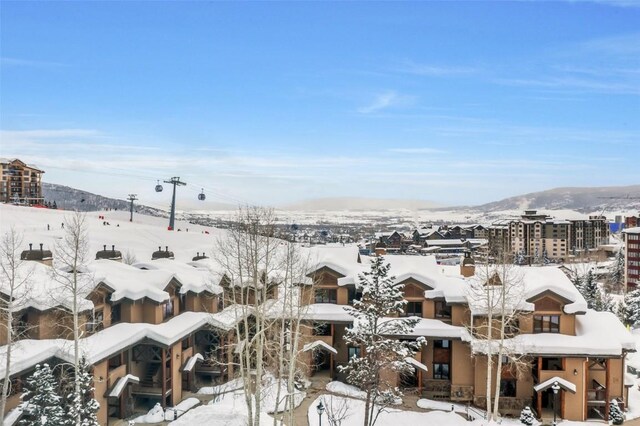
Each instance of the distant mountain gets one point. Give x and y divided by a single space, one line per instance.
581 199
358 204
76 199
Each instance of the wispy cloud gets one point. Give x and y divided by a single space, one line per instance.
613 3
20 62
386 100
573 83
410 67
424 150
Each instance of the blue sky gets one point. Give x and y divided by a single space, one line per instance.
274 102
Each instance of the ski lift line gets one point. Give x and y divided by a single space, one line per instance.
101 172
216 193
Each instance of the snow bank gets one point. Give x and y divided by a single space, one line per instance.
344 389
355 414
429 404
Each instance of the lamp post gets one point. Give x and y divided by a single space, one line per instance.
320 409
555 388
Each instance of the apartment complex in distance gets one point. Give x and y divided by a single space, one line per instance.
20 183
536 235
632 257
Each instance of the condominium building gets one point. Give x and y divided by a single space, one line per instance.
535 235
20 183
632 257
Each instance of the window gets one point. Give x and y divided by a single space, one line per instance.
167 309
324 295
546 324
97 321
186 343
116 361
322 329
553 364
442 310
508 388
353 351
116 313
413 309
442 344
182 302
354 294
441 371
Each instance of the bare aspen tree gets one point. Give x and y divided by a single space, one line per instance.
74 283
496 296
16 284
248 256
290 309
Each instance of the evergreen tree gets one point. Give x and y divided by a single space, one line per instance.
83 403
589 289
526 416
545 257
520 258
44 405
381 300
615 413
616 275
632 308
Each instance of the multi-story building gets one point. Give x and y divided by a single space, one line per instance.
535 235
560 339
632 257
20 183
155 329
151 331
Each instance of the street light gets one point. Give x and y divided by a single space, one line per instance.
556 388
320 409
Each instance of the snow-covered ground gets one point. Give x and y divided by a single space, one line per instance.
229 407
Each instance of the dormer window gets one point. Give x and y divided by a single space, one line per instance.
413 309
442 310
167 309
546 323
325 295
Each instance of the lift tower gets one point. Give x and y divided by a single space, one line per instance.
175 181
132 198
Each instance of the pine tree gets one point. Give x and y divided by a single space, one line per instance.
632 307
545 257
520 258
615 413
616 274
83 403
589 289
44 405
381 298
526 416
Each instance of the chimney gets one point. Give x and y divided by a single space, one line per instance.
159 248
166 248
113 247
41 247
467 265
104 247
30 247
197 254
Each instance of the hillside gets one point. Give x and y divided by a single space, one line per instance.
358 203
68 198
581 199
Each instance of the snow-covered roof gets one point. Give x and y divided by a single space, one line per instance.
319 344
47 288
327 312
118 387
112 340
433 328
193 277
635 230
191 362
562 383
525 284
597 334
129 282
417 364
